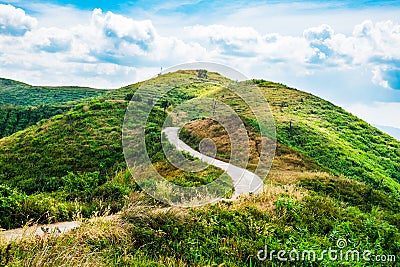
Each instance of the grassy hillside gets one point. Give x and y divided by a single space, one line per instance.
17 118
21 94
337 141
334 176
53 159
23 105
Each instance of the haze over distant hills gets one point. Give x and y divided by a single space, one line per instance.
395 132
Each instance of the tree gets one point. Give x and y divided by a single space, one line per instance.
129 96
202 74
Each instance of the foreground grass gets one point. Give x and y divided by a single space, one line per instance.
147 233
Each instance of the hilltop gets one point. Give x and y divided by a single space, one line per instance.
334 176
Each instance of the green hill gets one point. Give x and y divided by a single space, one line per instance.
335 139
23 105
333 176
17 118
21 94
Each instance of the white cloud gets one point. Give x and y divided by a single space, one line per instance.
119 26
320 33
246 42
51 40
14 21
115 38
377 77
107 45
120 43
370 43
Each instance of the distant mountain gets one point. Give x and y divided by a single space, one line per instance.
21 94
23 105
11 83
395 132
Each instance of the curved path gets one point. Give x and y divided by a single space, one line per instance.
39 230
244 181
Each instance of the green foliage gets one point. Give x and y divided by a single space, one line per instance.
335 139
10 205
17 118
82 182
20 94
70 156
23 105
17 208
86 139
202 74
189 138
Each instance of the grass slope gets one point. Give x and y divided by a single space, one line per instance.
337 141
23 105
66 157
21 94
334 138
17 118
334 176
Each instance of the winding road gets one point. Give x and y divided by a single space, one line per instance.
38 230
244 181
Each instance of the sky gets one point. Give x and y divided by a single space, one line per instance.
347 52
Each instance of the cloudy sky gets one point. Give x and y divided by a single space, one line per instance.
345 51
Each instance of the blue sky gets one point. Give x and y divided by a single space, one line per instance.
194 6
344 51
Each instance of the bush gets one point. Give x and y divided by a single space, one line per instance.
81 185
11 206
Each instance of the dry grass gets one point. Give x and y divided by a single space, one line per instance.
287 163
288 177
266 201
288 167
76 248
208 128
116 100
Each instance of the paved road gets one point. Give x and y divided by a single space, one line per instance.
39 230
244 181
